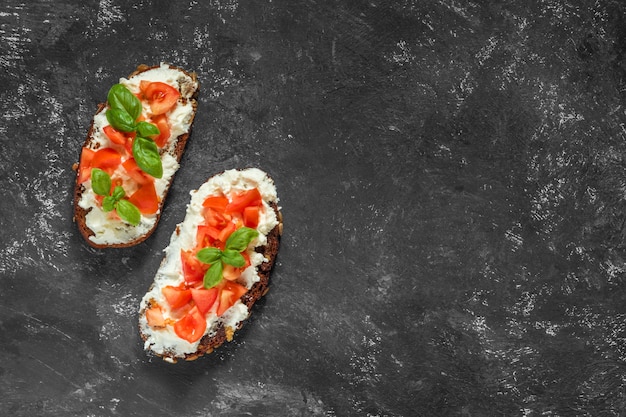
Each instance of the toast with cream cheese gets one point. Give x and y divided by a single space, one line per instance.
133 148
216 266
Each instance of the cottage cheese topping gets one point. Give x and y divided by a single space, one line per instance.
165 341
108 228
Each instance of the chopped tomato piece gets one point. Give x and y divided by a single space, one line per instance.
230 293
214 218
143 84
231 273
161 96
146 199
193 269
239 202
114 136
246 256
206 235
181 311
192 326
164 130
237 289
176 297
217 203
86 156
106 159
226 301
204 298
154 315
136 173
251 216
227 231
120 138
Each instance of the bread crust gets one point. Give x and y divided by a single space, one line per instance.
225 334
80 214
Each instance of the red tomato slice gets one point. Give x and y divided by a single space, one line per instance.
231 273
246 256
146 199
206 235
241 201
193 269
204 298
217 203
114 135
214 218
176 297
86 156
231 292
164 130
161 97
226 301
251 216
192 326
106 159
226 232
143 84
237 289
154 315
120 138
136 173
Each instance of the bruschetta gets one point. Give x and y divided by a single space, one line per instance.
133 148
216 266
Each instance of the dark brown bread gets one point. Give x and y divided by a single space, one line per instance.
81 213
225 334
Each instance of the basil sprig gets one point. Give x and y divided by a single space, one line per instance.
125 109
231 255
147 156
101 185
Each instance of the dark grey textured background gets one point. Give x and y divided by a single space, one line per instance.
452 177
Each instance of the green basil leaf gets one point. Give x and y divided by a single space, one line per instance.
128 212
209 255
100 182
120 120
241 238
213 275
234 258
146 129
118 193
147 156
121 98
108 203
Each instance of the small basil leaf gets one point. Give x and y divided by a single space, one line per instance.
234 258
147 156
121 98
108 203
128 212
118 193
146 129
120 120
100 182
241 238
213 275
209 255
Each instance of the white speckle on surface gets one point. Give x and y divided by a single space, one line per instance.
44 193
513 236
402 55
108 14
485 52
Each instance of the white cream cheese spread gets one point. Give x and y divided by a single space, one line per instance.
165 341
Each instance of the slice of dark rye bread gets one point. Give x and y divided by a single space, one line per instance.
80 213
225 334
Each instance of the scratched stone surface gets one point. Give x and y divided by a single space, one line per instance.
453 179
